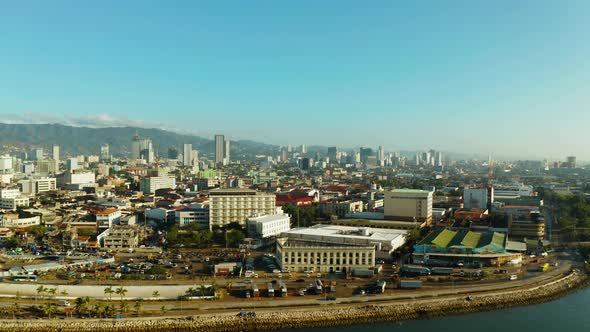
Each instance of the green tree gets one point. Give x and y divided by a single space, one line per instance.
81 305
49 309
13 242
38 231
109 291
234 237
121 291
138 305
156 294
124 307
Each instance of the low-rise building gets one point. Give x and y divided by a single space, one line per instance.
120 237
263 227
149 185
408 205
107 217
196 213
340 208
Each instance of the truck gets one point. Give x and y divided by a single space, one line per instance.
283 288
410 284
270 289
443 271
413 271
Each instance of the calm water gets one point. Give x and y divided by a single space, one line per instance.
566 314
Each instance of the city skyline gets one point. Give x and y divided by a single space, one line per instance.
481 78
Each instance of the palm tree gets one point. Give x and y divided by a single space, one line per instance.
137 306
121 291
40 291
52 291
109 291
49 308
163 309
64 293
155 294
190 291
81 305
14 309
203 288
109 310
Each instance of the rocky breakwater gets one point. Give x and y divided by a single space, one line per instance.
285 318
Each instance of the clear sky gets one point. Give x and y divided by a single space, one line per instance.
491 77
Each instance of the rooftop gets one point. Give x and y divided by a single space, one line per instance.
333 231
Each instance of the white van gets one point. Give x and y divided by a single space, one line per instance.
513 277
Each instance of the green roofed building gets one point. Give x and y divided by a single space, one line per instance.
446 247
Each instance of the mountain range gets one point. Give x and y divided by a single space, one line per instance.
84 140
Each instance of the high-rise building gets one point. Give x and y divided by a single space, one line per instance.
55 152
438 159
105 154
365 153
219 149
303 149
381 158
187 153
226 154
333 152
135 148
236 205
72 164
37 154
571 161
146 150
476 198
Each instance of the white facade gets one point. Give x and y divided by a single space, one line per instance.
408 205
38 185
149 185
14 202
106 218
9 193
13 221
235 205
268 226
299 257
517 189
55 152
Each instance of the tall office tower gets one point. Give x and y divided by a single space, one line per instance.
226 154
289 149
439 158
195 158
417 159
571 161
172 153
72 164
333 152
105 153
37 154
381 158
187 153
303 149
135 148
55 152
219 149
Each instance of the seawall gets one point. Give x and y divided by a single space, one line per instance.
286 318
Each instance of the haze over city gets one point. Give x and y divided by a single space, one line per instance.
463 76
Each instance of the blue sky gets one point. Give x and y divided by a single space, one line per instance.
492 77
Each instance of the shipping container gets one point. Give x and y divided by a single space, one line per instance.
444 271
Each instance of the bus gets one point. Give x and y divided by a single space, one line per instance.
29 278
413 271
283 288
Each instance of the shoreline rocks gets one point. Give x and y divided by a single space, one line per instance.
287 318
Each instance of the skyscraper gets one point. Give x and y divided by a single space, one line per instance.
303 149
571 161
105 154
226 154
187 154
135 148
381 158
219 149
55 152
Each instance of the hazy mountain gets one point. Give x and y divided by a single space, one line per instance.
84 140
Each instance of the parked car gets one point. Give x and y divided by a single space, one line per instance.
513 277
331 298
